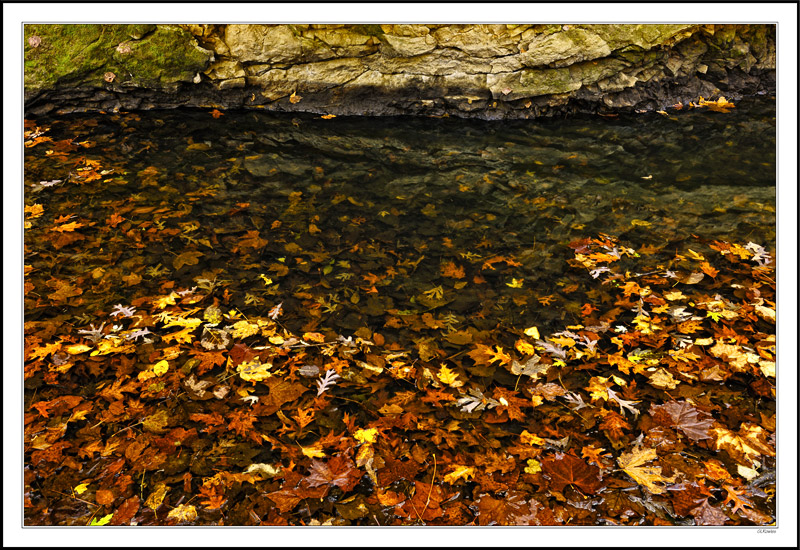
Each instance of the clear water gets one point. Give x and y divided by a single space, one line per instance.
352 197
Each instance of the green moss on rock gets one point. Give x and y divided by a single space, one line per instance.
79 55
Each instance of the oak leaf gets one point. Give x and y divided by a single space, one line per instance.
190 257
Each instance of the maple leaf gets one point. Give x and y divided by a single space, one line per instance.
683 416
447 376
567 469
216 113
632 463
72 226
339 471
513 509
749 444
35 210
460 472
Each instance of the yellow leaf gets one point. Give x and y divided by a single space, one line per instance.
533 332
72 226
529 439
461 472
663 380
515 283
524 347
449 377
714 315
254 371
161 367
366 436
641 223
312 452
633 464
276 340
694 255
35 210
165 301
563 341
80 489
156 497
184 512
243 329
533 466
78 348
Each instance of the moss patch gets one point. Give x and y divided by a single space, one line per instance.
79 55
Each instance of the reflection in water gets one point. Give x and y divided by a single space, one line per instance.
334 203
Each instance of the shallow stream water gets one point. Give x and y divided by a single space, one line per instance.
413 193
405 255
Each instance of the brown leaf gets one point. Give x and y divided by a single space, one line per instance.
568 469
284 499
124 514
512 509
683 416
104 497
395 469
281 391
338 471
424 504
190 257
705 514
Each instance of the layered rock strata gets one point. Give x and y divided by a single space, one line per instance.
483 71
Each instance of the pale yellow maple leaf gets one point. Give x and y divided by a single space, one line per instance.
632 463
447 376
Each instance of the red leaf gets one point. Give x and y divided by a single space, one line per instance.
568 469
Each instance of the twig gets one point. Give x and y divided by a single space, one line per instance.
431 489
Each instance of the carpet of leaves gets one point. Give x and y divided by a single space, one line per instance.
658 408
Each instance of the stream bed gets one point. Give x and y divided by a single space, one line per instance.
245 318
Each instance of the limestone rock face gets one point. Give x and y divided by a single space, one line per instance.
487 71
